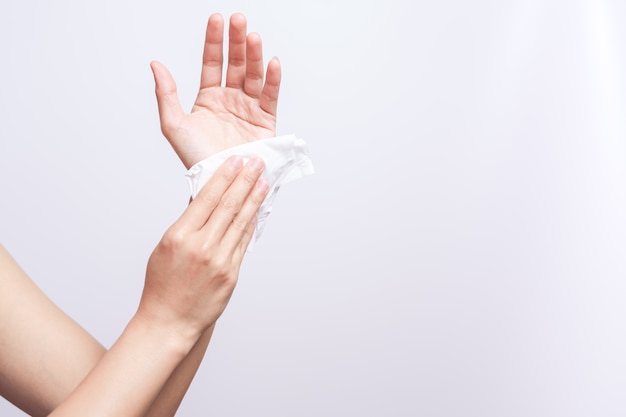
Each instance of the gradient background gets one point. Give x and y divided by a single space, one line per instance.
460 251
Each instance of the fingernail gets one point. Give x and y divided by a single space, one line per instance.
256 164
235 161
262 185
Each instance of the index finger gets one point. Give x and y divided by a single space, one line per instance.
213 56
201 207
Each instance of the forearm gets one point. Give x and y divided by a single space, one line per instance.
189 279
170 397
129 377
45 354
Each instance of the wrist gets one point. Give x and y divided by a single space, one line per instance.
175 336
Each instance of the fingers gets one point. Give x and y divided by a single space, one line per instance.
240 250
170 110
238 230
201 208
245 62
253 82
228 212
212 58
236 71
269 95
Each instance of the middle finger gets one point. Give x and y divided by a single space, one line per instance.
236 70
233 199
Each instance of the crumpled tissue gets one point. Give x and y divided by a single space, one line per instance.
286 159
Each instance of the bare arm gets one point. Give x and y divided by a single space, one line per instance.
240 109
44 354
190 277
42 361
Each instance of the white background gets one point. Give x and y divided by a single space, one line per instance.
460 251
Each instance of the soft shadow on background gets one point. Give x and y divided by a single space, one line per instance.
460 251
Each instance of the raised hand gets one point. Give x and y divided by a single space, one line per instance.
242 111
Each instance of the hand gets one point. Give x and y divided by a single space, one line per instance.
242 111
193 270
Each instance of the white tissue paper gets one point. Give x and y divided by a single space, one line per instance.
286 159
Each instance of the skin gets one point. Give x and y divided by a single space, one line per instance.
242 111
49 365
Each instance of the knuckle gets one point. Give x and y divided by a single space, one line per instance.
253 76
173 239
198 256
221 270
260 192
227 278
250 177
236 61
209 197
230 281
213 63
240 224
230 204
201 254
257 199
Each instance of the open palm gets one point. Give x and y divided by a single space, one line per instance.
242 111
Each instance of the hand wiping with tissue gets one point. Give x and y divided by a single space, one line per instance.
286 159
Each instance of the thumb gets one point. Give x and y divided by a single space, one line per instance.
170 110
